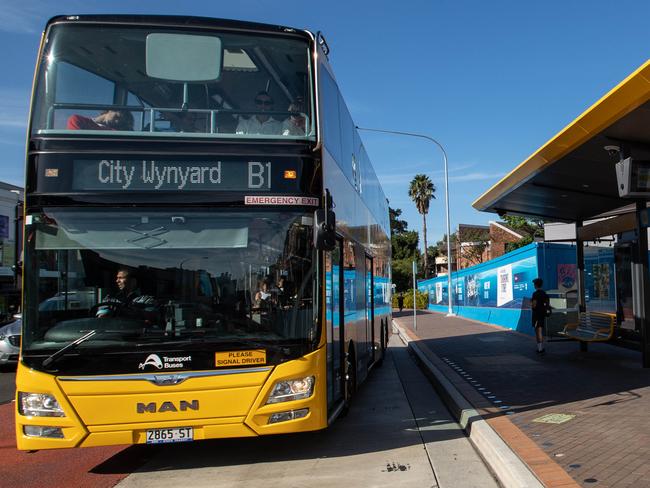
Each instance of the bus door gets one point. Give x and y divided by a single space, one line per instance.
370 310
334 314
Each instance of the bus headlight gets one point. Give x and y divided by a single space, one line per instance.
287 390
38 405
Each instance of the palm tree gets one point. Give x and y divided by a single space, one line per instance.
421 191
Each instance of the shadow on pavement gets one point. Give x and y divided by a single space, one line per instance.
510 366
599 398
380 419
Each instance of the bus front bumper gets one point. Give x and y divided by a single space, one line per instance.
98 411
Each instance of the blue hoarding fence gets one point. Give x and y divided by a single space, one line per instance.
498 291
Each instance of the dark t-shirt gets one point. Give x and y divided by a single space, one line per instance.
123 296
542 303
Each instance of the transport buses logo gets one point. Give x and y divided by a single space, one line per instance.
152 360
165 362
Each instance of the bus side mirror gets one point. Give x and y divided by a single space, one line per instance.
324 230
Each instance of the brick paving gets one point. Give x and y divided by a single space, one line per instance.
606 442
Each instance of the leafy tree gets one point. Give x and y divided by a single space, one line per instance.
422 299
530 228
441 245
404 245
432 254
397 226
421 191
402 274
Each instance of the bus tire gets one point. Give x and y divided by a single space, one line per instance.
382 345
350 377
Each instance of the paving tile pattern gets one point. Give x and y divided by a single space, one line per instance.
605 444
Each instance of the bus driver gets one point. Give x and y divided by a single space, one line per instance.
128 295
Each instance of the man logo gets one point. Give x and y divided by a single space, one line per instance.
153 407
152 360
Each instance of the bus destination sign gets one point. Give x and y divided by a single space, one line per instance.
152 175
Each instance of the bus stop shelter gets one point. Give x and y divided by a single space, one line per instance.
572 179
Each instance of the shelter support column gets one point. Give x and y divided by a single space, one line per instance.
580 267
640 284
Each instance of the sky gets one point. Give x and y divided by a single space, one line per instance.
491 81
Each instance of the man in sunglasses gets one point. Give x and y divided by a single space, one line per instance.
261 122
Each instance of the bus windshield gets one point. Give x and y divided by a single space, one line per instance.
147 276
172 82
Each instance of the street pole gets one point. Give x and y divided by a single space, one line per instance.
450 310
415 306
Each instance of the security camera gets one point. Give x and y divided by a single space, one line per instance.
501 213
613 150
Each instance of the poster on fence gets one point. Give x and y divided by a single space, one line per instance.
471 285
439 292
566 277
504 285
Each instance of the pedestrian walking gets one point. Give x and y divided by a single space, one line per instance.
541 308
400 301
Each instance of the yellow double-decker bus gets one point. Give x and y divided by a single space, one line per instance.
206 249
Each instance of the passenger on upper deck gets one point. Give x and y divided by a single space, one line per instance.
296 123
260 123
186 121
107 120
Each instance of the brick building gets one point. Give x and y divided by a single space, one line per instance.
441 264
476 244
500 235
472 245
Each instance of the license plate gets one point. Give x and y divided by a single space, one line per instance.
177 434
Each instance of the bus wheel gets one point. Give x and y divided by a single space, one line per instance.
350 375
382 345
385 343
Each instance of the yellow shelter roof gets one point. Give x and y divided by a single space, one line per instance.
572 176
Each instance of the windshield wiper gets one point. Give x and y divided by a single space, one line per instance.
49 360
89 335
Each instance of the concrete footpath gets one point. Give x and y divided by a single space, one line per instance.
397 433
562 419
